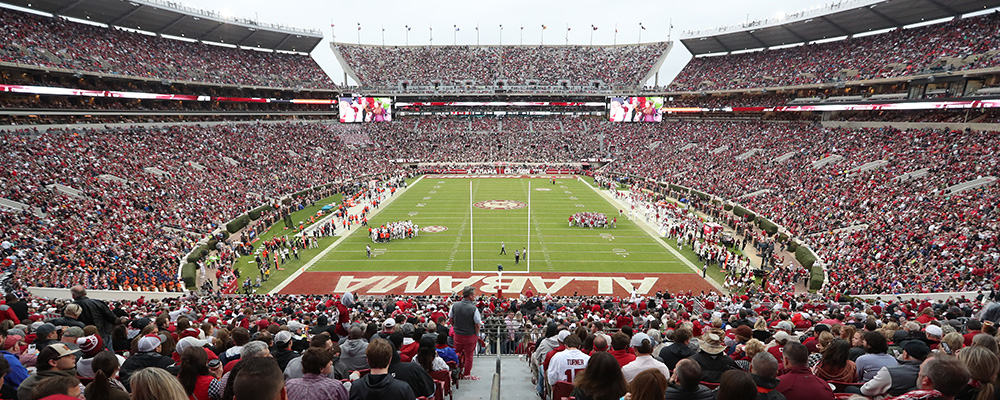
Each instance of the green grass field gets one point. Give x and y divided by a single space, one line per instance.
554 246
249 269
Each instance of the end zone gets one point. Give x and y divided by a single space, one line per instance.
438 283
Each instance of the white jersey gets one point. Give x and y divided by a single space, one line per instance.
566 364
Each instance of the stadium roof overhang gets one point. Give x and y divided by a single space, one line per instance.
170 18
880 15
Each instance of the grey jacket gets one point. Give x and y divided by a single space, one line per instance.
352 354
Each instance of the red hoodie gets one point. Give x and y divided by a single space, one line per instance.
409 351
622 356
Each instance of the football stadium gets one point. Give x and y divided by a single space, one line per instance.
770 200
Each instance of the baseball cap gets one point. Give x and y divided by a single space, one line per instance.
781 336
563 334
44 330
11 341
295 325
933 330
283 337
62 350
188 341
744 331
189 332
638 338
140 323
73 331
785 326
389 323
148 343
916 348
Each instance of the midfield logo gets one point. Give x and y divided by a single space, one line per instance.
501 204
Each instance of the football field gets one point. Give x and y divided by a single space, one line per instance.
462 231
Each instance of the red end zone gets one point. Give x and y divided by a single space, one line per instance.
437 283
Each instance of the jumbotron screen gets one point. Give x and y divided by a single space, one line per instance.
635 109
365 109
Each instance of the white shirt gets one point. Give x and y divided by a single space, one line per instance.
570 362
643 363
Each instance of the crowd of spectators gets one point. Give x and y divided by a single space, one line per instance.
326 346
900 52
130 230
624 65
931 241
55 42
734 100
934 116
449 140
12 102
29 122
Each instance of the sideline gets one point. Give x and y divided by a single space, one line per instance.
343 235
652 232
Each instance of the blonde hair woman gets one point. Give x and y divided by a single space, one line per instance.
954 341
156 384
753 347
824 340
984 367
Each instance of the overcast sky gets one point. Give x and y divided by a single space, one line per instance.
512 14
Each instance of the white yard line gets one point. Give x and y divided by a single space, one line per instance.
346 233
652 232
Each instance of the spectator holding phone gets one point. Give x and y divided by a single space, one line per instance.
197 375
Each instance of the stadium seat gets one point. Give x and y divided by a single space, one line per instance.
561 390
362 372
453 367
445 377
